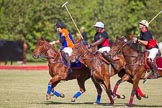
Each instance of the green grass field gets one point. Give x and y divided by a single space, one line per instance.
27 89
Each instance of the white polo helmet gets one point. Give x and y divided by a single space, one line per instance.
144 22
99 25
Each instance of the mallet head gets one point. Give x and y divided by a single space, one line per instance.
64 4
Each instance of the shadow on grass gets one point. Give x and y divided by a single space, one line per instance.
101 104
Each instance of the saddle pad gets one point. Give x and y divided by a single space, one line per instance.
76 65
159 68
159 62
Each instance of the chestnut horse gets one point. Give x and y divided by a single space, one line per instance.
100 69
135 67
58 72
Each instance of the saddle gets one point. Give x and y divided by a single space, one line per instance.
157 60
74 65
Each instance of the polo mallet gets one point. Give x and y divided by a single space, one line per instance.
65 5
155 17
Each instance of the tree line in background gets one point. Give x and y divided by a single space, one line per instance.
28 20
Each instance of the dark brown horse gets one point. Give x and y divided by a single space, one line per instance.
101 70
58 72
135 67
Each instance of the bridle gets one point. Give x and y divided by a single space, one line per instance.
78 48
118 51
43 53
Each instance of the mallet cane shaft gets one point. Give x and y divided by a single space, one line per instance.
65 5
155 16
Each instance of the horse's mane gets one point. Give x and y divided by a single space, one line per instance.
81 42
135 46
42 40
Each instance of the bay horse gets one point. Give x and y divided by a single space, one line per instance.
58 72
100 69
135 67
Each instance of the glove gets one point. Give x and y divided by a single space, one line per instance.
52 42
135 39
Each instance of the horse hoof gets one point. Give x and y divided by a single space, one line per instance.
48 97
73 99
62 95
96 103
115 97
128 105
138 97
122 97
110 104
145 96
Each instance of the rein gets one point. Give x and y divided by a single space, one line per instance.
118 51
43 54
126 55
81 55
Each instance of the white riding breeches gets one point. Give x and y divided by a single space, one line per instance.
68 50
107 49
153 53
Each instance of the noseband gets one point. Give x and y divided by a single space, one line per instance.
43 53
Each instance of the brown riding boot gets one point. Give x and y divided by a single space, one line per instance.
152 66
112 62
67 58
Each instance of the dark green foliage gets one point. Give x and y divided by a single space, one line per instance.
30 19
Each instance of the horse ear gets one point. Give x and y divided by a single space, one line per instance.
41 38
79 40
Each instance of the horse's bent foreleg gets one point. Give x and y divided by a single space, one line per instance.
115 90
124 78
139 93
99 90
52 83
116 86
81 83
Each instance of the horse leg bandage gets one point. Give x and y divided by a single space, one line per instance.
56 93
139 91
98 99
49 88
77 94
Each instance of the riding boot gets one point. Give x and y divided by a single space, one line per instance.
152 66
112 62
67 58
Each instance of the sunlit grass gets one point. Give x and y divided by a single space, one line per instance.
27 89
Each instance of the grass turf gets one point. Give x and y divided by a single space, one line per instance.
27 89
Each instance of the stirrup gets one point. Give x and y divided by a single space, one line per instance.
155 76
70 70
